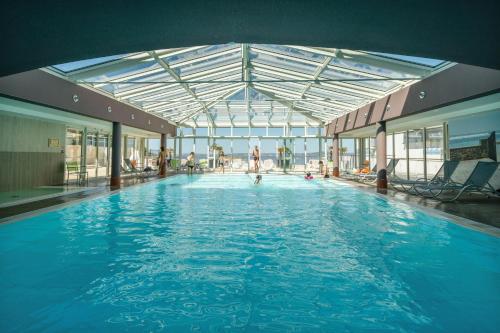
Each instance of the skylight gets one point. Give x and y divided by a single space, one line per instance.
250 84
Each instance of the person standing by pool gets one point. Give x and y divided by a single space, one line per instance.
190 163
169 158
256 158
161 161
221 160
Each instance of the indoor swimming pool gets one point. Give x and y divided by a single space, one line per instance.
216 253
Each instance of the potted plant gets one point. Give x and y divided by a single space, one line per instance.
284 156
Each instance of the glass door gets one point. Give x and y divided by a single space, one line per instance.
91 155
268 154
103 155
73 151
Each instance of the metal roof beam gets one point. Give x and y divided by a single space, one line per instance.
290 106
177 78
208 105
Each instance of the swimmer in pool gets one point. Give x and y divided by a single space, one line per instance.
308 176
258 179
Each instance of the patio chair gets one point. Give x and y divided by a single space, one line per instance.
268 165
354 175
478 182
312 165
236 163
441 177
372 176
133 170
73 168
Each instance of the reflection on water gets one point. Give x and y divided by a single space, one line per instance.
216 253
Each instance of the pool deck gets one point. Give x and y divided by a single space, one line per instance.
476 208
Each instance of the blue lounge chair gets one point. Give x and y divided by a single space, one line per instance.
477 182
443 176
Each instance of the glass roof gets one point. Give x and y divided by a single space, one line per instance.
249 84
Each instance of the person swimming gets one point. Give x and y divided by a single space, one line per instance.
258 179
308 176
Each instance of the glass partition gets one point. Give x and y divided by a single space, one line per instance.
240 155
103 155
73 152
91 155
269 154
434 152
299 154
400 153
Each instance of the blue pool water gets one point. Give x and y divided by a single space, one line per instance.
216 253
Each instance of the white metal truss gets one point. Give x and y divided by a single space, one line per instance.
249 84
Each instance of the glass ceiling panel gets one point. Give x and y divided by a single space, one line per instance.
201 52
209 64
282 63
369 68
123 87
135 68
337 74
301 81
414 60
80 64
293 52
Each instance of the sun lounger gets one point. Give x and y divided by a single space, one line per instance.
355 175
268 165
478 182
313 165
131 169
372 176
441 177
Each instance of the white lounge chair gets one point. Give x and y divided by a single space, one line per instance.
312 165
236 163
268 165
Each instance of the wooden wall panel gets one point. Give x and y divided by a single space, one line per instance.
42 88
363 116
340 126
351 120
22 170
330 129
395 104
378 110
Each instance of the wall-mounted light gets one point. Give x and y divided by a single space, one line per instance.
109 109
149 121
366 115
387 108
75 98
161 125
421 95
132 116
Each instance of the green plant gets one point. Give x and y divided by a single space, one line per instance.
215 147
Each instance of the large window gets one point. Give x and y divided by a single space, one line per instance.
73 150
299 154
434 150
103 156
91 155
399 149
420 152
416 168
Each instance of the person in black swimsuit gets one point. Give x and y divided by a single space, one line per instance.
256 158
